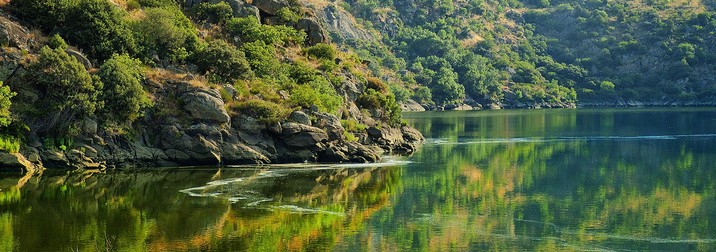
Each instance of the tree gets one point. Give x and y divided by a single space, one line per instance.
67 91
222 62
98 27
123 94
167 33
445 89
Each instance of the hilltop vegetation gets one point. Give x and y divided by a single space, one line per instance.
200 74
553 53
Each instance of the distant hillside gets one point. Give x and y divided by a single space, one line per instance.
538 53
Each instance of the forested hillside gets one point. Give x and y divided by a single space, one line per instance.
137 83
549 53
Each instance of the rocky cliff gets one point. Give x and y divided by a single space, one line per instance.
189 124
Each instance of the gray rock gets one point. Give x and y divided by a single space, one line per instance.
411 106
240 8
12 34
316 33
80 57
14 162
411 134
205 107
232 154
302 136
339 22
300 117
271 6
331 124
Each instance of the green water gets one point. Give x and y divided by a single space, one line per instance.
498 180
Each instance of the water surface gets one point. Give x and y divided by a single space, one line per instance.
590 180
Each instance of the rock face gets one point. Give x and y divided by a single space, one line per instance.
271 6
190 125
314 31
205 106
337 22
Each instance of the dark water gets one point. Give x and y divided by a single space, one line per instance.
498 180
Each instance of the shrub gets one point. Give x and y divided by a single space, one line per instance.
264 111
376 84
249 29
222 62
45 14
98 27
262 58
5 96
167 33
422 95
382 102
67 91
318 92
213 13
55 41
353 125
287 16
123 94
322 51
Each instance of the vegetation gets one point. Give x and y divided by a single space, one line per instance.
66 91
222 62
123 94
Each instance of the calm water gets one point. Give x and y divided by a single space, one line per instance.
498 180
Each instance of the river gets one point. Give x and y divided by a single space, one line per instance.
572 179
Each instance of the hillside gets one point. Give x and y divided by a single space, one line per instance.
147 83
548 53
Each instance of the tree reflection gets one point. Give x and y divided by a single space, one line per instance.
146 211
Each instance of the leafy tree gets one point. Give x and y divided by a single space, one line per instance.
222 62
123 94
213 13
67 91
166 32
445 89
98 27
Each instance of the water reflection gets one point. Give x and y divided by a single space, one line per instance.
507 180
556 180
173 210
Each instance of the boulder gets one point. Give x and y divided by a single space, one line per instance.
232 154
12 34
411 134
314 31
302 136
205 107
271 6
341 23
80 57
300 117
14 162
331 124
411 106
240 8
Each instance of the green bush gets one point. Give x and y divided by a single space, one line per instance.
5 96
287 16
9 144
55 41
165 32
249 29
262 58
264 111
99 28
45 14
222 62
213 13
322 51
353 125
423 95
67 91
372 99
123 94
318 92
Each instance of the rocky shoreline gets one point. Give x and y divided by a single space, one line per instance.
203 133
412 106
